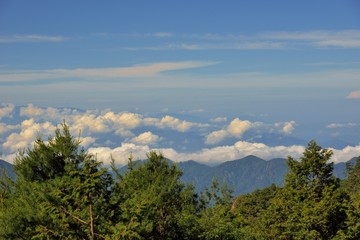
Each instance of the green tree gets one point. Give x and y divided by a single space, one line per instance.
153 201
352 186
249 209
60 192
216 220
311 205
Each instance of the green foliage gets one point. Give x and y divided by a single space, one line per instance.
218 222
311 205
352 185
151 198
62 192
249 209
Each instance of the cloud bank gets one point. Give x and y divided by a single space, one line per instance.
118 134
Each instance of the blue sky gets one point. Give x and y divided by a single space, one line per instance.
218 73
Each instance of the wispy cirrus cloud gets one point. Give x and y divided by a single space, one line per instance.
259 41
245 45
31 38
146 70
343 125
320 38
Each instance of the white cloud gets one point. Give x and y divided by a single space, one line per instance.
345 154
343 125
238 127
211 155
6 109
121 153
218 119
146 70
343 39
208 155
87 141
31 111
288 127
146 138
218 154
31 38
88 123
269 40
125 119
343 43
354 95
90 126
216 137
163 34
29 131
94 124
4 128
173 123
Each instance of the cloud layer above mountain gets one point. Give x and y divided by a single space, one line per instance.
118 134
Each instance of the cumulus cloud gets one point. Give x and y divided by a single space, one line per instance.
125 119
345 154
4 128
49 113
6 109
146 138
95 125
354 95
208 155
218 154
120 154
87 141
90 125
29 131
288 127
31 111
172 123
236 128
216 137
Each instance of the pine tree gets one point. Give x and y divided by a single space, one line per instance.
152 201
60 192
311 205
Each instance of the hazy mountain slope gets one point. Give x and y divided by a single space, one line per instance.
247 174
7 167
243 175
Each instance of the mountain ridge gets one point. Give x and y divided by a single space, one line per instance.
242 175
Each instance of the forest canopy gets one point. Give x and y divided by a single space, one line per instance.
63 192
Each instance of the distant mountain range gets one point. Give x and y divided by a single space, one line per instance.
243 175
